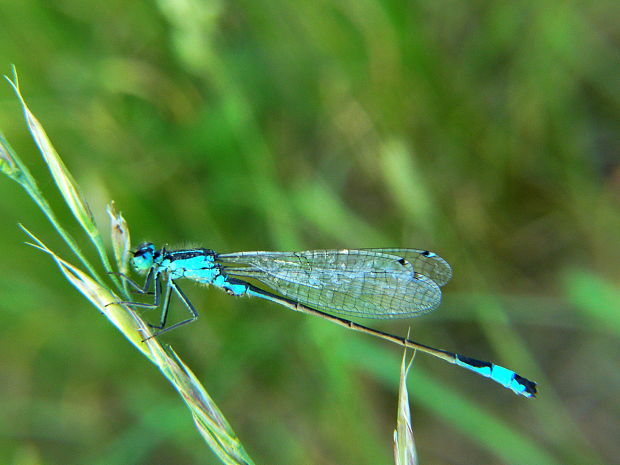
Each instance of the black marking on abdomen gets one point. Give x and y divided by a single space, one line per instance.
475 363
530 386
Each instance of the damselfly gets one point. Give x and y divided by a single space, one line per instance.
365 283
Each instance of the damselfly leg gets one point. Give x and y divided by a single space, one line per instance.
171 285
145 289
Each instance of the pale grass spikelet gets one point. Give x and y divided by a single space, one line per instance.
404 445
121 239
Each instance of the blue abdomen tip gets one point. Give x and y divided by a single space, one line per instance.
507 378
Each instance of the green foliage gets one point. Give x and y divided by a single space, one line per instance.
485 132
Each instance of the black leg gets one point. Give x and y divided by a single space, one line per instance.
144 290
165 306
184 299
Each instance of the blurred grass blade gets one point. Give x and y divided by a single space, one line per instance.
208 418
404 445
408 187
598 299
334 218
63 178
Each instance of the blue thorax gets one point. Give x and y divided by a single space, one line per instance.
196 264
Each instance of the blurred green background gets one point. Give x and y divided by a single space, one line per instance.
484 131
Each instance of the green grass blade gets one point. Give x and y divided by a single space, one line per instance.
14 168
63 178
209 420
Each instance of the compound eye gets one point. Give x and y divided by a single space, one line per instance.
143 257
144 249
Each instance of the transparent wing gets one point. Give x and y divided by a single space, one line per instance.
425 262
364 283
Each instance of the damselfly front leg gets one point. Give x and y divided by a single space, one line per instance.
144 289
